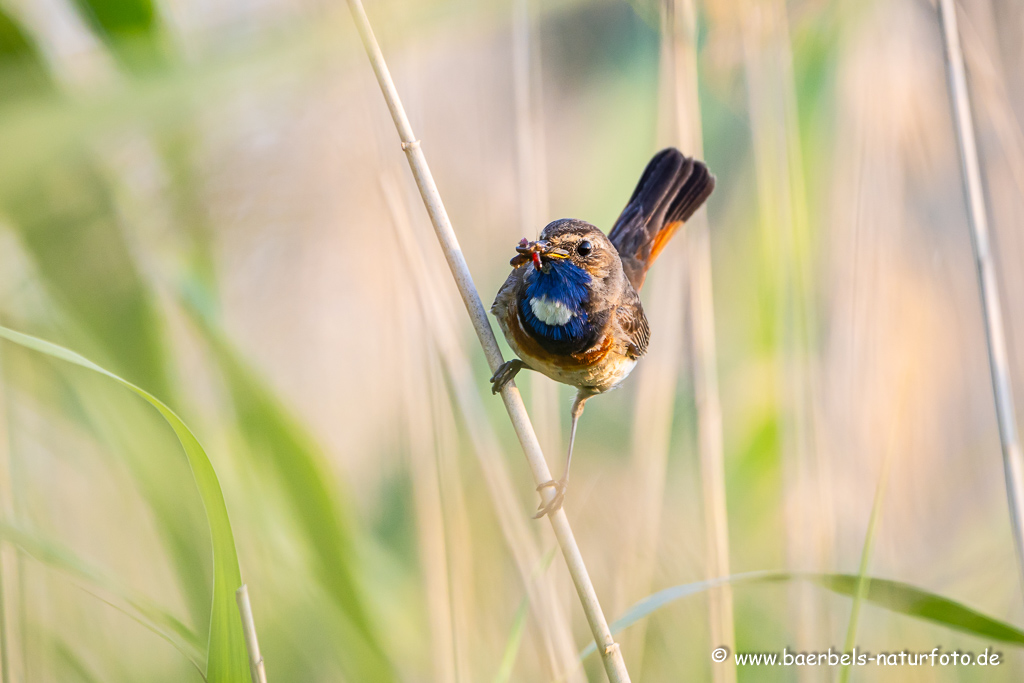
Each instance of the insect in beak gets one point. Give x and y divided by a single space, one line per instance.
533 251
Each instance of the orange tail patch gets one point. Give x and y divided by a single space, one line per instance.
671 189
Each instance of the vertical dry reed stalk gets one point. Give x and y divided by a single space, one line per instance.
657 382
611 654
455 519
441 519
531 162
10 564
995 334
682 24
988 80
784 224
252 645
863 582
553 626
426 492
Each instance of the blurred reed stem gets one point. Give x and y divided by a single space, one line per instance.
658 378
252 645
989 82
426 491
439 320
682 26
863 581
458 539
611 654
784 221
531 163
533 202
9 561
995 334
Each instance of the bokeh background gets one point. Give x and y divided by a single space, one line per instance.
209 199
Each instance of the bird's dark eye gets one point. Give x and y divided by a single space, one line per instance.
584 248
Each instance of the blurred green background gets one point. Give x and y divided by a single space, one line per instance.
209 199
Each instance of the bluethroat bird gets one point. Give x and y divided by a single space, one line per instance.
570 307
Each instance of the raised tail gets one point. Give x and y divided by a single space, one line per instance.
671 189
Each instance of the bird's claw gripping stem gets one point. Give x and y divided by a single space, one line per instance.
555 503
506 373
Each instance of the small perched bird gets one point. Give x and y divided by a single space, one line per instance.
570 307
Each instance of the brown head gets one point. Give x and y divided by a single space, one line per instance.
583 245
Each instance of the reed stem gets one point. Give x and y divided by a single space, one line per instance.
610 652
1013 458
252 646
553 625
682 39
863 580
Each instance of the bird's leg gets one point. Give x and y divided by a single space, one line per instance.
506 373
560 486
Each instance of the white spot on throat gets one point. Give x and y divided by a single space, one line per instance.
550 312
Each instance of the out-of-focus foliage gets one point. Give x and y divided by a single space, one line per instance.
190 195
226 659
131 28
21 70
891 595
274 439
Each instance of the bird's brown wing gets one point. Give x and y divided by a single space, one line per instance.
506 297
671 189
633 327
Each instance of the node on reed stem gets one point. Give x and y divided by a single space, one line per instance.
610 653
438 318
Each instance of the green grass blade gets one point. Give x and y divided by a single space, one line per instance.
863 581
906 599
22 69
68 221
274 437
150 626
894 596
120 18
73 666
515 636
132 31
515 639
227 661
55 556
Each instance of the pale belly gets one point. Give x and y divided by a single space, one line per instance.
598 377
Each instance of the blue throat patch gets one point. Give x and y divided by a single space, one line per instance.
563 282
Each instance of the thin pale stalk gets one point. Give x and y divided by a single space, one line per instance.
9 668
863 582
995 333
12 597
784 224
456 519
252 645
702 339
533 197
426 491
529 107
610 651
657 382
988 79
555 631
531 163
